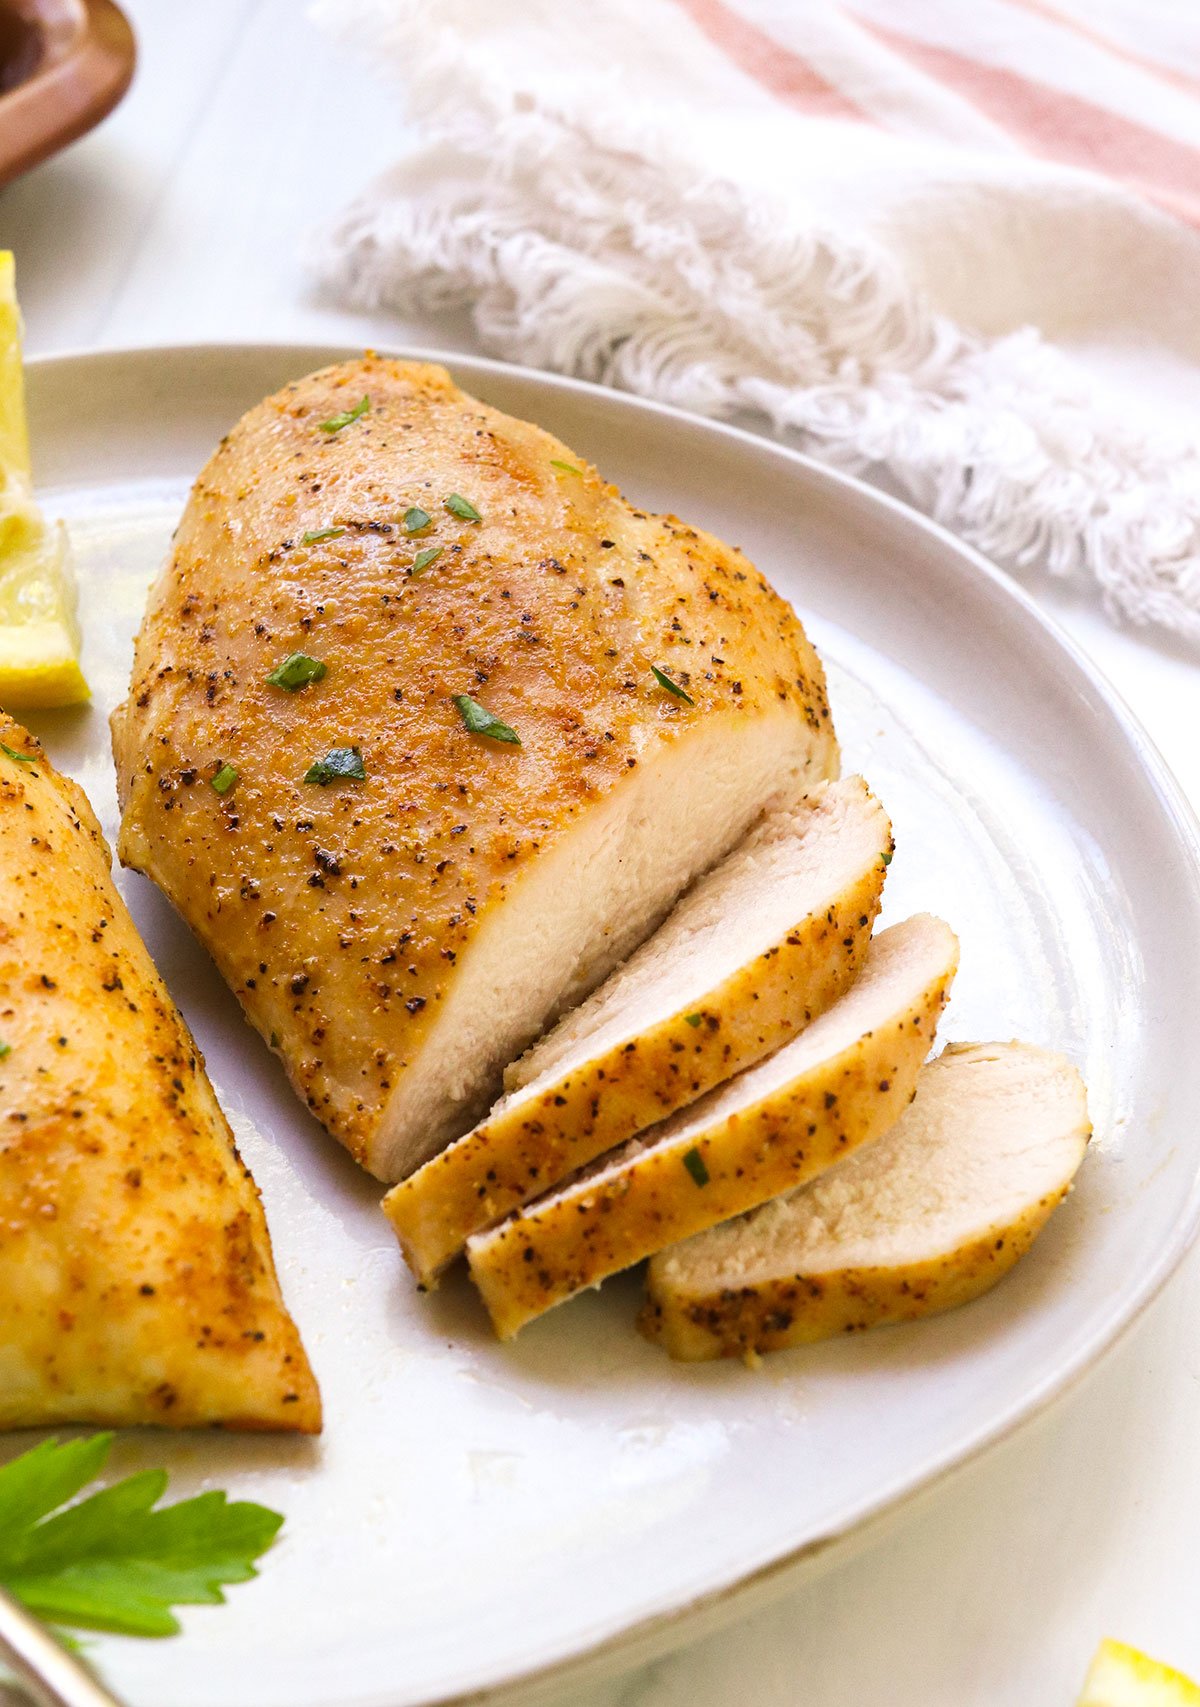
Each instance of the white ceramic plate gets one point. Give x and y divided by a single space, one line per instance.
476 1515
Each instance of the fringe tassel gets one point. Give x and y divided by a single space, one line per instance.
590 245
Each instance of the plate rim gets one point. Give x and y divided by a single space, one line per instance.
642 1639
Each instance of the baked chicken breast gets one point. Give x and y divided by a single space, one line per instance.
136 1279
838 1085
757 947
928 1217
428 728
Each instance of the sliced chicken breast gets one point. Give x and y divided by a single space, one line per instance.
841 1083
136 1279
753 951
932 1214
428 728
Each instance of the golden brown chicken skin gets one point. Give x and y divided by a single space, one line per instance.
136 1279
399 936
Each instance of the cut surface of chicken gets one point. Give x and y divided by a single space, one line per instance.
844 1080
766 940
929 1216
136 1277
404 934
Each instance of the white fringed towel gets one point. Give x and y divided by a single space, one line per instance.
883 235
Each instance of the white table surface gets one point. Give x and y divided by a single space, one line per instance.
184 218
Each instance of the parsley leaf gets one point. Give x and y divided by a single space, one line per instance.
224 779
21 758
694 1163
5 1049
296 671
694 1019
415 519
664 681
567 467
111 1562
463 508
424 558
320 534
478 721
347 416
339 764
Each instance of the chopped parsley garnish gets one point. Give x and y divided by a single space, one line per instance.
694 1019
111 1562
274 1040
347 417
415 519
224 779
887 859
567 467
321 533
463 508
296 671
478 721
21 758
424 558
5 1049
340 764
694 1163
664 681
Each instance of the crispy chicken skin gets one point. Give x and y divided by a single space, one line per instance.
136 1280
401 937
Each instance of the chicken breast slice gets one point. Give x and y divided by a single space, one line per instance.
931 1215
136 1278
404 934
841 1083
757 947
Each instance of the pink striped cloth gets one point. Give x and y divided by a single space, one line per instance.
951 244
1110 88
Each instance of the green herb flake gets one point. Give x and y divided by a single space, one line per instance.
415 519
694 1163
296 671
274 1040
321 533
664 681
224 779
340 764
566 467
887 859
21 758
5 1049
478 721
347 417
694 1019
424 558
463 508
111 1562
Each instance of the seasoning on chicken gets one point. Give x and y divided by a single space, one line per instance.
428 728
754 950
841 1083
927 1217
136 1279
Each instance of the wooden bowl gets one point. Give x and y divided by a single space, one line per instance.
64 64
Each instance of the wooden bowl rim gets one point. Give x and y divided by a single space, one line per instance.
86 67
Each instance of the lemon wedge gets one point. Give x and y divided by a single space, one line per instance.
39 635
1124 1677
